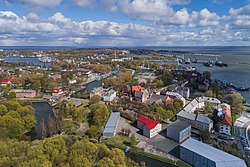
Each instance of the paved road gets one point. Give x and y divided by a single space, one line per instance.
159 143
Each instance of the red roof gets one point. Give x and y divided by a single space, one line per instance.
228 118
57 90
148 122
6 81
137 89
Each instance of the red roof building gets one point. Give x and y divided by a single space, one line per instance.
228 118
6 81
137 89
149 127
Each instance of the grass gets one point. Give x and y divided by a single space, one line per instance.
119 141
179 163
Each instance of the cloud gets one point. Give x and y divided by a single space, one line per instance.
240 17
37 3
60 30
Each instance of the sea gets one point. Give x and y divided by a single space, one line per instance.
237 58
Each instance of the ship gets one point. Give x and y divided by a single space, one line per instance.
209 63
187 61
242 88
218 63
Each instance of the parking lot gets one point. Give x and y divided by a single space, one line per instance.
159 142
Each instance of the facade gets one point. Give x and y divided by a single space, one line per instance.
178 131
242 127
149 127
24 93
199 154
226 119
112 124
109 95
141 96
198 121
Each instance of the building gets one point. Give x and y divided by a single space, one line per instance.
111 126
178 131
24 93
184 91
97 91
199 154
137 89
224 113
141 96
109 95
72 81
6 82
57 92
149 127
198 121
242 127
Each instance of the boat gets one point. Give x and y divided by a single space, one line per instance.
242 88
187 61
208 63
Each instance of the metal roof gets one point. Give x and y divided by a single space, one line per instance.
204 119
187 115
112 123
221 158
178 125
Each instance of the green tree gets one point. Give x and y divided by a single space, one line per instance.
236 102
29 121
43 129
37 85
3 110
94 99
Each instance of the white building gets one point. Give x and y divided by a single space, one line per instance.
149 127
242 127
225 115
185 92
109 95
72 81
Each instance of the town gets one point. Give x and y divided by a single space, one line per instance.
124 99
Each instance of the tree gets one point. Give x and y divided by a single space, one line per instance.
236 102
43 129
94 99
209 93
14 126
3 110
208 107
51 125
37 85
205 135
11 95
166 77
106 162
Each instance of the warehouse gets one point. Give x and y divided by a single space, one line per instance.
178 131
199 154
111 126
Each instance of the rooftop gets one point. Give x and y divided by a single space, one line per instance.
148 122
22 91
178 125
188 115
112 123
221 158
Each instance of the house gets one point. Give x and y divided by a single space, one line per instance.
57 92
199 154
149 127
109 96
141 96
137 89
242 127
156 99
6 82
72 81
97 91
226 119
56 77
178 131
24 93
184 91
198 121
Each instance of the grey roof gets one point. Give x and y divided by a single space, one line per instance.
187 115
112 123
155 98
204 119
22 91
221 158
178 125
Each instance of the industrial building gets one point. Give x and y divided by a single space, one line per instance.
111 126
199 154
20 93
149 127
178 131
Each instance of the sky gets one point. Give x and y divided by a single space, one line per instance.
124 23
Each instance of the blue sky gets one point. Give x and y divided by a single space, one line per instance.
124 22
